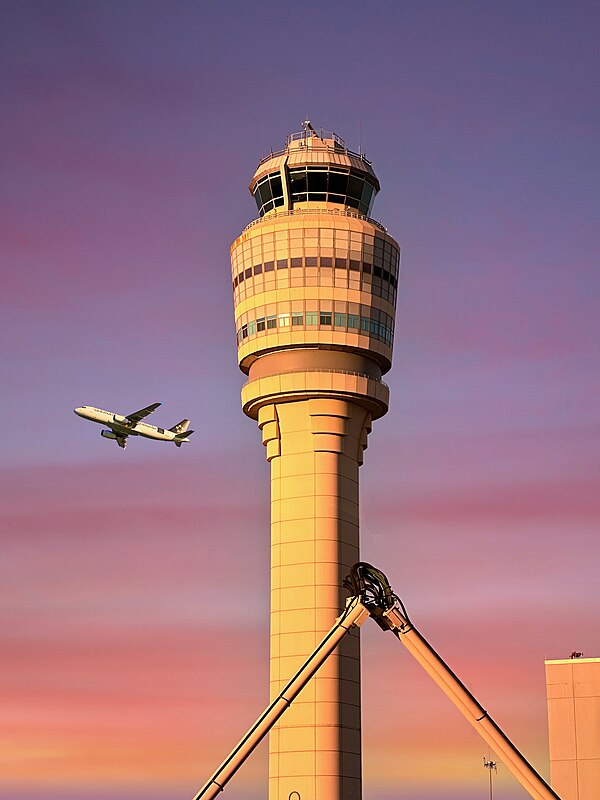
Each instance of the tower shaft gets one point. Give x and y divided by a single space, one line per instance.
316 447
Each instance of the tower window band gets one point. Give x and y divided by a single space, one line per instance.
316 184
346 187
371 323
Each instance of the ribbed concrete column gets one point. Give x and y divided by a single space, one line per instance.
315 448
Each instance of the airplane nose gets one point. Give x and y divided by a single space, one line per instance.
79 411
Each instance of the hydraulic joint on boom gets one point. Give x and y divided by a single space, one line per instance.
373 589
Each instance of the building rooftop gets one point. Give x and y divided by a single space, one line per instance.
579 660
309 138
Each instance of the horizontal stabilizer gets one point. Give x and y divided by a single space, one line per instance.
180 438
183 434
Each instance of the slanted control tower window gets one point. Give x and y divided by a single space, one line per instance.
269 193
347 187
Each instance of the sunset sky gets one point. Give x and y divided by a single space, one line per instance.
134 585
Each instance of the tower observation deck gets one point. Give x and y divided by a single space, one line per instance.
314 283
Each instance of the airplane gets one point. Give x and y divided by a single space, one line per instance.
121 427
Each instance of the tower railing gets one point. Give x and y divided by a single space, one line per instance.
334 212
339 145
308 133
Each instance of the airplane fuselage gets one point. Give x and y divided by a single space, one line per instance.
121 427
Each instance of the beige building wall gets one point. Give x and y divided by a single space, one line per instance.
573 691
314 284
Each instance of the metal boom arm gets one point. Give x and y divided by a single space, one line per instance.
354 615
373 596
389 613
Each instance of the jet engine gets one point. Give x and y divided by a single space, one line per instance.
108 434
118 418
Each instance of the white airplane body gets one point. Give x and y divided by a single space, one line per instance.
131 425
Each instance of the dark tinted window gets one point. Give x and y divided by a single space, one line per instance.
367 194
269 193
298 181
334 186
355 187
338 182
276 188
317 181
264 192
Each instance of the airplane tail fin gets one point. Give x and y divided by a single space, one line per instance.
180 427
181 437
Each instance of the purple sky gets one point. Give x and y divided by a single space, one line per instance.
129 134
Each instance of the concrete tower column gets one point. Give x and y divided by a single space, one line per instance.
315 450
314 281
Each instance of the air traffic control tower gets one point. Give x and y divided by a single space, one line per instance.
314 285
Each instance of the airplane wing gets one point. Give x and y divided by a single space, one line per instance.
139 415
